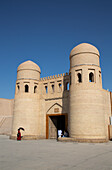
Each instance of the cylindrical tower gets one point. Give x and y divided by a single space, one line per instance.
86 117
26 105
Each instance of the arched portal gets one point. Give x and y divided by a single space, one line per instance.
54 123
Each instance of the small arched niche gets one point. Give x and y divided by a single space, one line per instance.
91 77
46 89
17 88
100 76
26 88
60 87
35 89
79 77
52 86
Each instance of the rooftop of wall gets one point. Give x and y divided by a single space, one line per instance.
54 77
84 48
28 65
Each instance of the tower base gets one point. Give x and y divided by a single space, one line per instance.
82 140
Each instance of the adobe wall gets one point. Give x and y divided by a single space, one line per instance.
6 114
54 100
107 100
111 102
30 109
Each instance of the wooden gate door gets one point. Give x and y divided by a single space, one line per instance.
52 127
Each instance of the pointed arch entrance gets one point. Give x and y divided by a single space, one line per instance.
55 122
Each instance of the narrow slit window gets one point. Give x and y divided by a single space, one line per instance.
26 88
35 89
70 78
67 86
52 88
91 77
100 76
79 77
46 89
60 87
18 88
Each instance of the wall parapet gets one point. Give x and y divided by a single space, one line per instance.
54 76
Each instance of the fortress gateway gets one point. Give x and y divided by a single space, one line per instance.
74 102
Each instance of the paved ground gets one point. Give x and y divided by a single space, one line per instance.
53 155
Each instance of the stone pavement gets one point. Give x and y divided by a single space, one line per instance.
53 155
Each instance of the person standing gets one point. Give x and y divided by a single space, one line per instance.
19 135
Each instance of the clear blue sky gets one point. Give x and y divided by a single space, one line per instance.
45 31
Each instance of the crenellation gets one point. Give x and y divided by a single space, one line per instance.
54 76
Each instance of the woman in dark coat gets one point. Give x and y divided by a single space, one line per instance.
19 135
